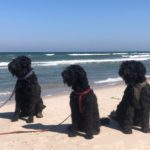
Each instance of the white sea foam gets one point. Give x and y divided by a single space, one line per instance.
82 61
147 76
141 53
112 80
137 56
90 54
120 53
49 54
108 80
4 96
5 93
2 64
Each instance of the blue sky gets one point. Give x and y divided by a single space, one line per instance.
74 25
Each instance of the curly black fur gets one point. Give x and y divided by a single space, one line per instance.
131 110
88 120
27 90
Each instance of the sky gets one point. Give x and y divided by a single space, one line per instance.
74 25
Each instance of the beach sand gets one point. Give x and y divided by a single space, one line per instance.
56 138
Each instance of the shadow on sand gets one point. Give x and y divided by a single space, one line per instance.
54 128
6 115
114 125
51 128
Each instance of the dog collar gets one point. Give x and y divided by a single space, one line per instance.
81 94
27 75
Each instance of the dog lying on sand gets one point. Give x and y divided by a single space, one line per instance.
27 90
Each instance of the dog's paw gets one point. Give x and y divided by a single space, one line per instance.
43 107
127 131
72 134
71 131
88 136
15 118
146 130
39 115
29 120
96 132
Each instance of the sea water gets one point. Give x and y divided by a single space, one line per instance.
101 67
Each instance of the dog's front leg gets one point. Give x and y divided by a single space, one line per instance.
145 101
88 119
31 112
74 116
17 113
145 119
128 120
126 110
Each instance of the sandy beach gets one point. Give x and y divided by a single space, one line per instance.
56 137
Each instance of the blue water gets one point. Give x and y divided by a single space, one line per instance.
101 68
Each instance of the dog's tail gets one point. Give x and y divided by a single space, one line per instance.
104 121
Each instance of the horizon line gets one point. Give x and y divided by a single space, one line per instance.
108 51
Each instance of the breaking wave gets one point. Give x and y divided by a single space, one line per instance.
108 80
49 54
83 61
90 54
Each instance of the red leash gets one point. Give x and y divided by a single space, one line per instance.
17 132
81 94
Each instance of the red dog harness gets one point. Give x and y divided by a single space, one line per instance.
80 97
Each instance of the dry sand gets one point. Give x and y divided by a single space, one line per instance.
56 111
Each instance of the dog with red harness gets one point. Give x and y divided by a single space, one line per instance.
83 103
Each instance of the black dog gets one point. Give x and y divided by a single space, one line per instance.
83 103
134 108
27 90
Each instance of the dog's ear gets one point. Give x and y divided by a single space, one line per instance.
141 68
10 67
121 70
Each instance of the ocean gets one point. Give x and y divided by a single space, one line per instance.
101 67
